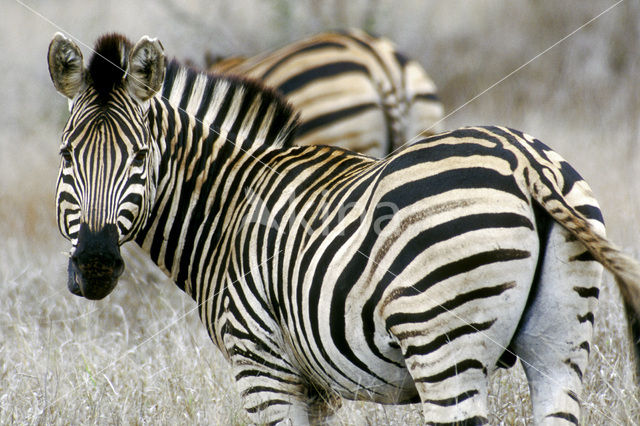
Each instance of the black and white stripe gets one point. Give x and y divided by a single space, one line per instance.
352 90
323 274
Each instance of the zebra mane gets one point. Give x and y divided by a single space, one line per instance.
108 64
207 97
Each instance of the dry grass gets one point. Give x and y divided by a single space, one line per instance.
141 355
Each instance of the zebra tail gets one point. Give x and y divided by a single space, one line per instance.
624 268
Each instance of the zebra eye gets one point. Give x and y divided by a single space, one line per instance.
139 157
66 157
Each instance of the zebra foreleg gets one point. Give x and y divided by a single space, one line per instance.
553 342
270 394
272 390
322 406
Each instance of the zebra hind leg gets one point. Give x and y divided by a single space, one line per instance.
453 344
553 340
460 398
453 335
450 378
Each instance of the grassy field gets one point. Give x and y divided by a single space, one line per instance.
141 356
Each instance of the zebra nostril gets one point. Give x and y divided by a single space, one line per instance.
118 267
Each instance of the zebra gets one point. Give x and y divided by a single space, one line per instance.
323 274
352 90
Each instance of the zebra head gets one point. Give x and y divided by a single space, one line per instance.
108 177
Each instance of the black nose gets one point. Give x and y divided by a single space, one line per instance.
96 264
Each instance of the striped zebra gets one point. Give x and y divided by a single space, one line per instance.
352 90
322 274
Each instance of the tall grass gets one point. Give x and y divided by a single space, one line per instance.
141 356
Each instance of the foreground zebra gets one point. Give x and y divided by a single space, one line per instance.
320 273
352 90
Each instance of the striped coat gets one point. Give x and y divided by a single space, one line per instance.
352 90
322 274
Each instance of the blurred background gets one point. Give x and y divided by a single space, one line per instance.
140 355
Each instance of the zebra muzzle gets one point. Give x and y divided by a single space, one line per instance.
96 264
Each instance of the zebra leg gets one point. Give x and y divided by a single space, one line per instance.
272 389
322 407
450 358
271 394
553 341
457 392
452 334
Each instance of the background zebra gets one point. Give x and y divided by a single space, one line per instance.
352 90
397 299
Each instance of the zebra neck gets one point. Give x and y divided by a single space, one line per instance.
206 131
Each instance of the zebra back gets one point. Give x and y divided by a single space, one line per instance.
353 90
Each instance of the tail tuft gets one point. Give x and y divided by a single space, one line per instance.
633 320
626 271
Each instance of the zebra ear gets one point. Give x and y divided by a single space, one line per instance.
145 73
66 66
